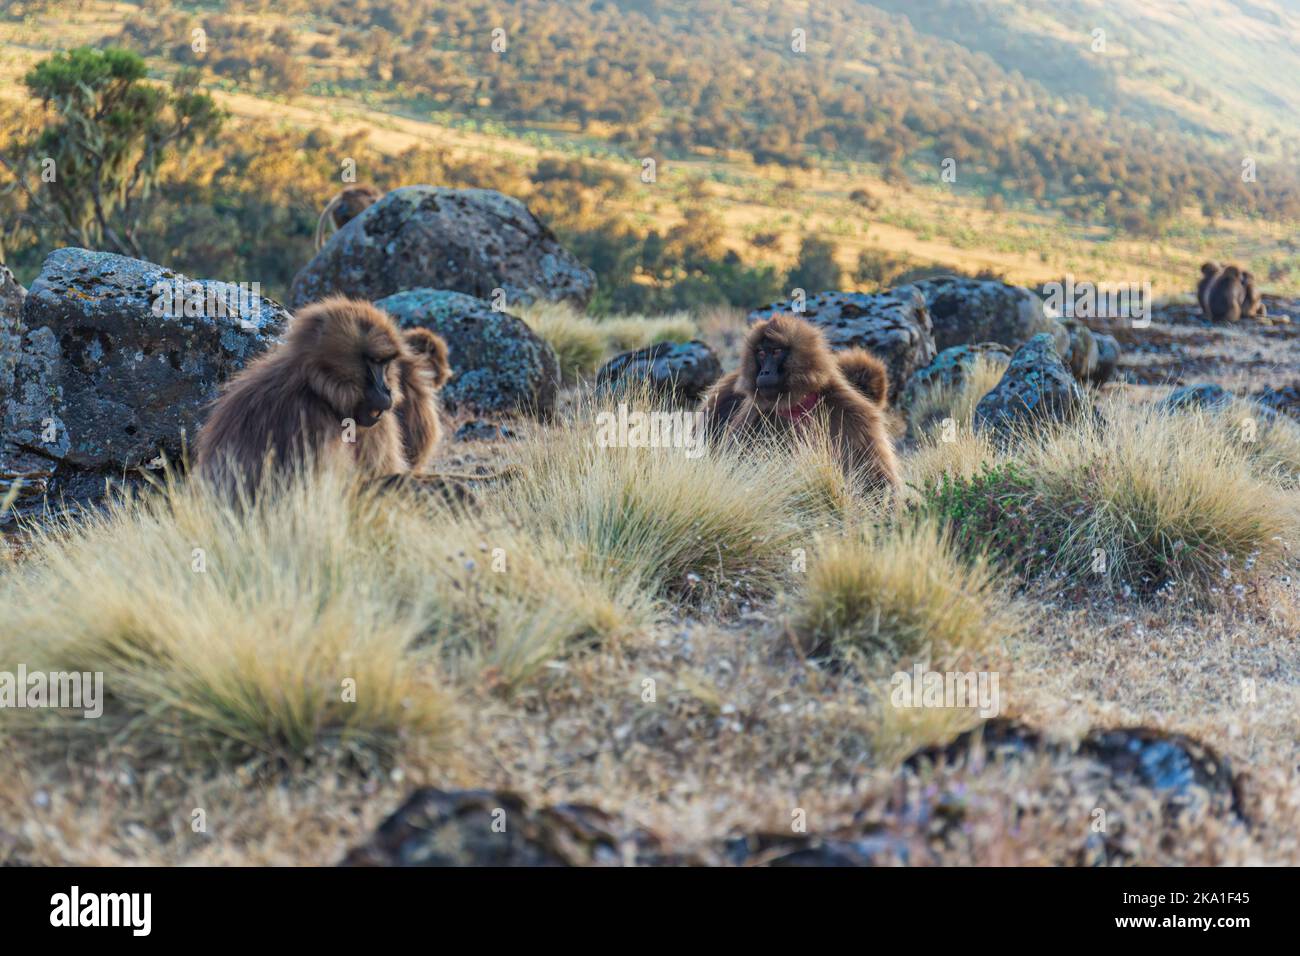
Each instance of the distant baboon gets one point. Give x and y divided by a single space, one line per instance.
788 374
323 396
861 369
345 207
1253 306
1228 293
1226 296
1209 272
422 376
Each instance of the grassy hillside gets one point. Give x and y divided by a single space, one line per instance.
756 146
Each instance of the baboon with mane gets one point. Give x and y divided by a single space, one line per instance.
344 389
788 374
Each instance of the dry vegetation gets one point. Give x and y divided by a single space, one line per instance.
509 644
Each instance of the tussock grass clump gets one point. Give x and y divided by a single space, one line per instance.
1134 497
893 592
320 614
229 629
582 343
657 517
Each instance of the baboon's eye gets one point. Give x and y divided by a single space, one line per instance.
762 353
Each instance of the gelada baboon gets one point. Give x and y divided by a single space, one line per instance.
345 207
1228 294
422 376
863 371
1209 272
789 374
326 396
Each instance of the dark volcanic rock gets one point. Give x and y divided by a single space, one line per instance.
680 370
893 325
1107 358
784 849
1036 386
114 366
492 828
984 310
1285 399
498 363
1185 772
463 240
951 367
1206 395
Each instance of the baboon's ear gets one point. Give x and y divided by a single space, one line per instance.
433 350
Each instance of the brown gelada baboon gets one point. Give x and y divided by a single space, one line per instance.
1228 294
787 375
861 369
329 396
344 207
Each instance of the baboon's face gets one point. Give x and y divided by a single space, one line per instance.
378 373
769 361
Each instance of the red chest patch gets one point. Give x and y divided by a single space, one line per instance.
797 413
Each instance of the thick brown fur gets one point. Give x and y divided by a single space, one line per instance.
302 401
422 376
344 207
1209 272
1228 294
863 371
811 374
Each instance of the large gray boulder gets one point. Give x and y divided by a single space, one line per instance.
462 240
964 311
1037 386
892 325
681 371
118 357
498 363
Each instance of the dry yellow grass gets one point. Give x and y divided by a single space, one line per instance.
897 593
582 343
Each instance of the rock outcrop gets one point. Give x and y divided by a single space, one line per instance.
679 371
473 241
1035 387
118 358
498 364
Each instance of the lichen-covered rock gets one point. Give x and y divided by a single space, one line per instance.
951 367
984 310
894 326
1107 358
1035 386
681 371
120 357
462 240
498 363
